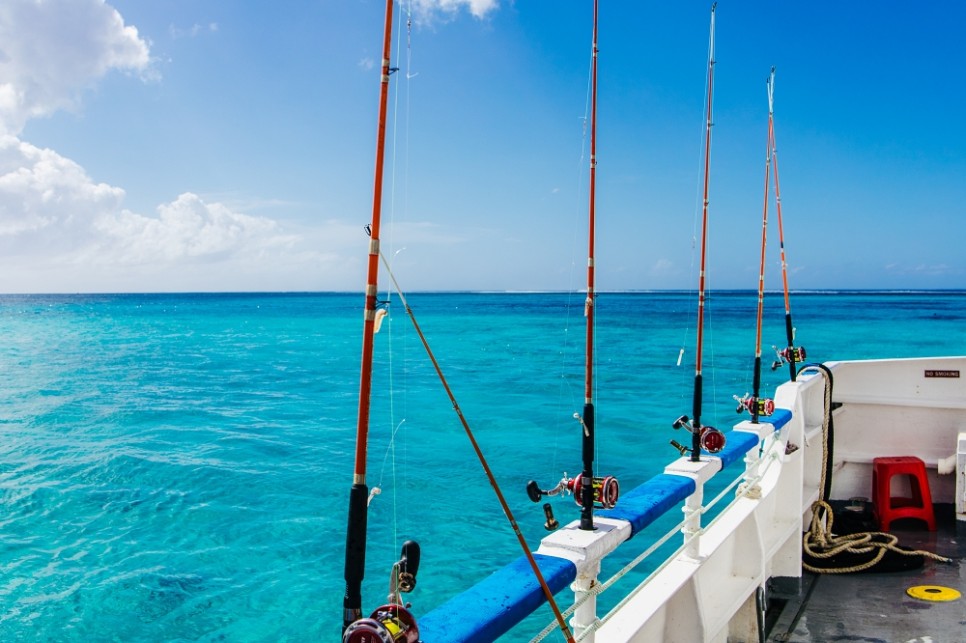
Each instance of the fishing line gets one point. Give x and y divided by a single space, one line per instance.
479 454
565 394
698 200
391 447
791 353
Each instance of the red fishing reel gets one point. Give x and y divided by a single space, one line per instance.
710 439
765 406
391 623
388 624
789 355
606 490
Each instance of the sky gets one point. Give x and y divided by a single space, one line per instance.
203 145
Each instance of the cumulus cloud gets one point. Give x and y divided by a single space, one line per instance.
49 206
187 229
62 230
45 198
51 51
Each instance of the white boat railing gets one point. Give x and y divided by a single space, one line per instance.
510 595
710 589
747 484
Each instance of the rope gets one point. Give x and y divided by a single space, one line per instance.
820 542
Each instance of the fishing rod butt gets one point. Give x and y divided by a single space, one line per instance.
355 554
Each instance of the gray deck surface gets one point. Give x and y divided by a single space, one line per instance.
873 607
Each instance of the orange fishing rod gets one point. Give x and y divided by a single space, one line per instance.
698 384
752 403
790 354
355 551
705 437
589 491
587 441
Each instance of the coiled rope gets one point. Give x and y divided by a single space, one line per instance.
819 542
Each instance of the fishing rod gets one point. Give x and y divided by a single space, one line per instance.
790 354
392 621
587 435
753 403
709 438
548 594
589 491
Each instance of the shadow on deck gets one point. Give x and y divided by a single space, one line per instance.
872 607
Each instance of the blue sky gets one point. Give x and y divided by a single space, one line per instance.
179 145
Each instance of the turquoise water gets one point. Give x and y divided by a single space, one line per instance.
176 467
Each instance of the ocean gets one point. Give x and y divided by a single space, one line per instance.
176 467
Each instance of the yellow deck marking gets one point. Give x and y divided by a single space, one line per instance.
933 593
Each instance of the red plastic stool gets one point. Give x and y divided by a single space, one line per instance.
888 508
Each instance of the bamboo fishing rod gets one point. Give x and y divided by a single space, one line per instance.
355 550
756 378
696 406
589 491
791 354
587 433
702 437
483 462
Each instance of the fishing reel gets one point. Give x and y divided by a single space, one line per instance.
765 406
789 355
393 622
606 490
388 624
710 439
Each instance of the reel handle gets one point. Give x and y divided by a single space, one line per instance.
683 422
683 450
408 566
551 523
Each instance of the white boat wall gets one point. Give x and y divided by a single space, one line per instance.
711 588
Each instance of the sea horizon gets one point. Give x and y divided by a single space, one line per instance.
447 291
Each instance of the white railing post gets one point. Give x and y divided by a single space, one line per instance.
584 621
700 472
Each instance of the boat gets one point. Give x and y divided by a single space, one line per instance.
785 551
743 571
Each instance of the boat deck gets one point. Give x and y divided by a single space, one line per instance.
875 606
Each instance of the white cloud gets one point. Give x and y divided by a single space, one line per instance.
60 230
45 198
193 31
186 229
63 231
51 51
57 223
427 10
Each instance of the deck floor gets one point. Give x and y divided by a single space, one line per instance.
872 607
